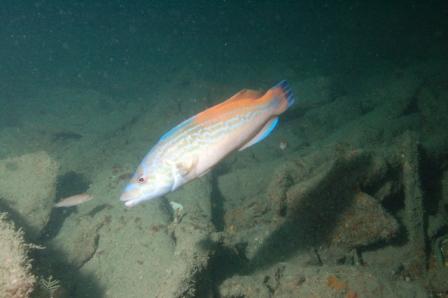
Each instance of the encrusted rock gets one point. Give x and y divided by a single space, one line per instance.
77 240
16 279
27 190
284 280
364 222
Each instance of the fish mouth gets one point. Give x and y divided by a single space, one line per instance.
131 202
134 197
129 199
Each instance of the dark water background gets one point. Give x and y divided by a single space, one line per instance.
99 44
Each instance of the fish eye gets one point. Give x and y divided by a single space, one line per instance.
141 179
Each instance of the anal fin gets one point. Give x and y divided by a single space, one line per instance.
262 134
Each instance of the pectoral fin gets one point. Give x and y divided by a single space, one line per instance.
180 169
185 167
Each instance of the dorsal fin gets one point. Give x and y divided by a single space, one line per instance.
241 98
245 94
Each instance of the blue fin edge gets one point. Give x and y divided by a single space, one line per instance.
286 91
261 137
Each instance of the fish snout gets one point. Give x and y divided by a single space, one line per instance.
135 194
124 197
130 200
130 193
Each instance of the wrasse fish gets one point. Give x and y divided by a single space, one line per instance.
73 200
193 147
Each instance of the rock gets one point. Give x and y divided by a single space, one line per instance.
364 222
193 247
414 210
388 189
444 184
437 280
144 249
16 279
240 183
243 286
27 190
132 253
433 108
288 280
436 223
77 240
315 201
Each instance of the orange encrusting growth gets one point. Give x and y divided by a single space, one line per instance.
335 283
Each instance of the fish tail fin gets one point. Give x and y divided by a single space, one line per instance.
281 96
287 92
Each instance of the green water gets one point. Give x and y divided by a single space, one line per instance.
348 197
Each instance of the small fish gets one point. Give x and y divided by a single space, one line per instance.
73 200
193 147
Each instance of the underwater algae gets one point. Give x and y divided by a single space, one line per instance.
16 277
